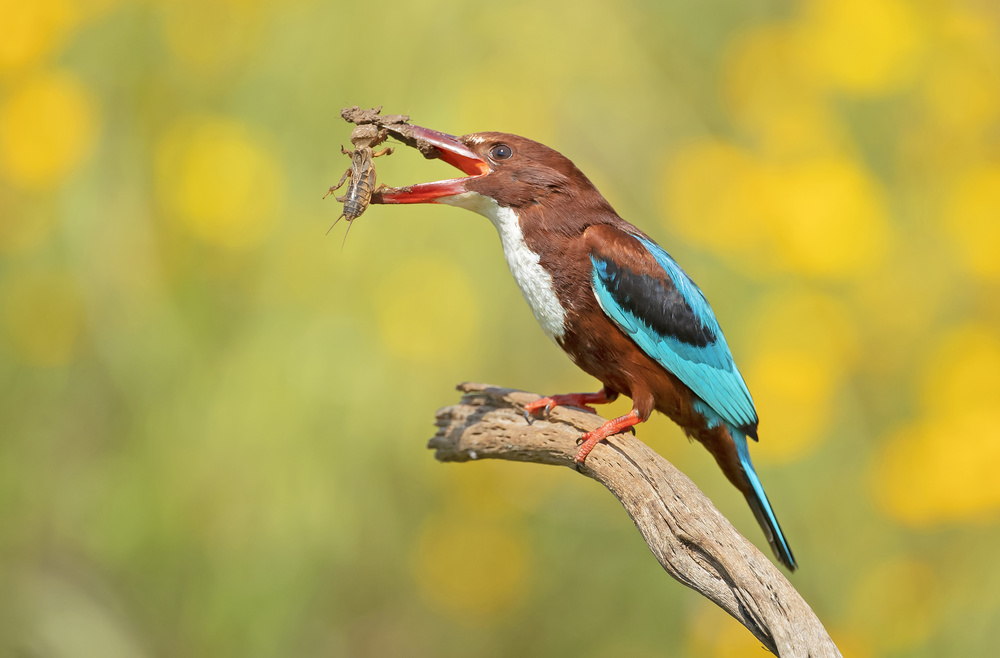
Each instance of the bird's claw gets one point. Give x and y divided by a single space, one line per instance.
544 406
534 407
586 442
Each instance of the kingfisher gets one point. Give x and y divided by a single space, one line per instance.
614 300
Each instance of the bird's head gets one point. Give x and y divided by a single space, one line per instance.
513 171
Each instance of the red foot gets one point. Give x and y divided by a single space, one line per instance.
610 428
579 400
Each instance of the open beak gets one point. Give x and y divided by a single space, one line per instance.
434 144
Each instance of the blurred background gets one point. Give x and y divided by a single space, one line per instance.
213 416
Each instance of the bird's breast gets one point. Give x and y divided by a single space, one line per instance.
533 280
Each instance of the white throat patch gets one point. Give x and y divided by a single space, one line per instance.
534 282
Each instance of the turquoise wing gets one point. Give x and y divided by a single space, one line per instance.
658 305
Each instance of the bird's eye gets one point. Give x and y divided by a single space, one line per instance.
501 152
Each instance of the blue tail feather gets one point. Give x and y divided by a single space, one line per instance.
761 506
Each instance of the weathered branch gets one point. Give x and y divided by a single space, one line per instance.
687 534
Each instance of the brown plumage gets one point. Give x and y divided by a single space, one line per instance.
556 228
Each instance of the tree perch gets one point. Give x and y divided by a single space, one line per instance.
691 539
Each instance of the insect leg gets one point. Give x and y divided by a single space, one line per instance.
338 185
383 135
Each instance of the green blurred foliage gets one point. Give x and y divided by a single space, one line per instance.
213 416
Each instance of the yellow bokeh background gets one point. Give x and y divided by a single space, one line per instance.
219 181
213 415
43 316
47 128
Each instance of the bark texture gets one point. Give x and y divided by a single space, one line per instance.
689 537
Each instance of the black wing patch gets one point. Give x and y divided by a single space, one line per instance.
658 303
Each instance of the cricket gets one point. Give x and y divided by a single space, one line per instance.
361 177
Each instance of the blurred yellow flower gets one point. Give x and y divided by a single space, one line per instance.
483 489
714 634
862 47
803 348
832 220
496 488
807 321
31 30
943 466
427 311
92 9
216 176
473 568
43 316
963 372
897 605
23 225
941 469
762 70
793 392
210 35
851 644
971 221
823 217
771 97
477 106
47 128
716 195
900 303
962 89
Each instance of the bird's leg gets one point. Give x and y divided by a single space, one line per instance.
579 400
610 428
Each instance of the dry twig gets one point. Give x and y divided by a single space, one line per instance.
687 534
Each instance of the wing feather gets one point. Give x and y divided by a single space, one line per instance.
647 294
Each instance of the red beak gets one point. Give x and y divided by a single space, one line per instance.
434 144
